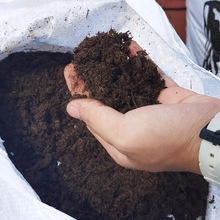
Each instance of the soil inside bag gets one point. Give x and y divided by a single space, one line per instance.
64 163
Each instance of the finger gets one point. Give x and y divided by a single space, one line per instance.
173 93
117 156
106 125
102 120
134 48
74 83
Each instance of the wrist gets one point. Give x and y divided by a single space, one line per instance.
209 152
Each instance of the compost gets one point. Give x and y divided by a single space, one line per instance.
59 157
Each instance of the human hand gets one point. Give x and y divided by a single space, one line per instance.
153 138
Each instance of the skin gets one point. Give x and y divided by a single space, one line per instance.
153 138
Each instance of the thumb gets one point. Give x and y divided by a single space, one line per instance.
100 119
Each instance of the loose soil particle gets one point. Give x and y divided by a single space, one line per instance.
63 162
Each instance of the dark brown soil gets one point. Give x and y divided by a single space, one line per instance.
113 77
64 163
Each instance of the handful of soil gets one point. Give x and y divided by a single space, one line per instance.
112 76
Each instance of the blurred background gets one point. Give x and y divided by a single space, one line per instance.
176 13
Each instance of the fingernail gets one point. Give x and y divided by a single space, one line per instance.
73 112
